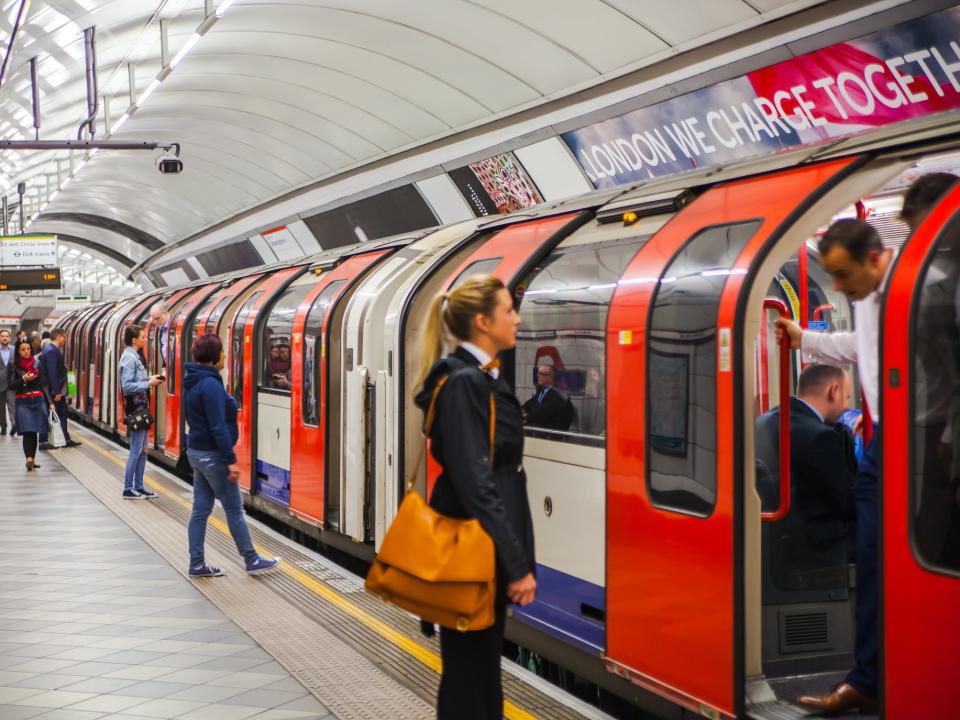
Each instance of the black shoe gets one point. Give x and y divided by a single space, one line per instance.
132 495
146 494
3 431
74 443
46 446
30 465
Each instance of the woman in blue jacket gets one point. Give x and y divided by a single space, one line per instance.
135 385
212 417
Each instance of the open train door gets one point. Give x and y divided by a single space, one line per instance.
676 499
920 493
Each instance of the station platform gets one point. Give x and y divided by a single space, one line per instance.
98 618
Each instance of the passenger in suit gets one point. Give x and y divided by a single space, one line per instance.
822 469
549 407
8 397
53 375
479 315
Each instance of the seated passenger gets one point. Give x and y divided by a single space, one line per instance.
280 365
821 458
549 407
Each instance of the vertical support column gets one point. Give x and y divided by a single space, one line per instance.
803 280
35 95
132 79
6 228
164 42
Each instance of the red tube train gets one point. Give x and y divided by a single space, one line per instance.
661 577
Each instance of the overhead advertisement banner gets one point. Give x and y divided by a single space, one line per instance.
496 185
28 250
907 71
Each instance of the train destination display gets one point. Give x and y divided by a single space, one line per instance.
30 279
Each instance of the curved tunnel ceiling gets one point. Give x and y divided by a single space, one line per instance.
277 95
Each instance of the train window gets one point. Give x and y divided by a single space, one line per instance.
480 267
935 412
561 356
275 347
682 370
313 353
236 347
203 312
173 347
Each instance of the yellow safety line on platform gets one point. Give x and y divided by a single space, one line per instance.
411 647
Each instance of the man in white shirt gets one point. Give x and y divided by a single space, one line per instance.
851 251
8 397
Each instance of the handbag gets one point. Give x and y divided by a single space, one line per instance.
55 434
439 568
138 415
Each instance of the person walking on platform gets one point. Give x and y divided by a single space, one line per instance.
479 315
212 416
8 398
31 404
53 374
135 384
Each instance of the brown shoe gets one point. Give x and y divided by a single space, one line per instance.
843 698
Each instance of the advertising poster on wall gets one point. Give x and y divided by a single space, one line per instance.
496 185
907 71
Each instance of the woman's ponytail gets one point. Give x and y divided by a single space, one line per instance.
433 338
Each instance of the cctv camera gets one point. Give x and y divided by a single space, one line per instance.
169 164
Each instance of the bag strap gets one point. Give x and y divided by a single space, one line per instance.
431 413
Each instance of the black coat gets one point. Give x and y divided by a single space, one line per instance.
20 386
555 412
460 441
822 471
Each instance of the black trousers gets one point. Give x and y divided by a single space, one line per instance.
29 445
470 687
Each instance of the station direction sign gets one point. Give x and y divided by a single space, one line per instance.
30 279
28 251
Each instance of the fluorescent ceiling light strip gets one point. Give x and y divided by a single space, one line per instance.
117 125
223 7
187 47
148 92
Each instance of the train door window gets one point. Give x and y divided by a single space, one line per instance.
213 320
275 348
313 353
203 311
682 370
480 267
935 410
236 347
561 356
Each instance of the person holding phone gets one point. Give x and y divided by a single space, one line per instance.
31 400
212 415
135 385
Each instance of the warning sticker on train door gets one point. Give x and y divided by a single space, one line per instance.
723 347
626 337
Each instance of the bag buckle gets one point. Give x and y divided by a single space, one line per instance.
463 624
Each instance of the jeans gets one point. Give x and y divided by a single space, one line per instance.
209 483
136 460
866 642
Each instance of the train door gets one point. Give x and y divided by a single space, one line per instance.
244 365
920 380
157 351
178 349
679 592
273 370
309 401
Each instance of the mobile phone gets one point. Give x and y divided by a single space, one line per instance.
162 377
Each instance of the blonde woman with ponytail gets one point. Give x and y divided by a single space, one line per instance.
478 318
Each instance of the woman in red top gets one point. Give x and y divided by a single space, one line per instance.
32 404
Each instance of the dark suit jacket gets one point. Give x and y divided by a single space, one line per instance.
822 470
53 369
554 413
4 372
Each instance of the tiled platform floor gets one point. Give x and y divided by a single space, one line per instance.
95 624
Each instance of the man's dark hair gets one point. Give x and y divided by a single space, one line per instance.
206 349
924 193
44 335
855 236
815 378
56 333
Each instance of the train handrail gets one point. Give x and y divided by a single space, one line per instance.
784 504
819 310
